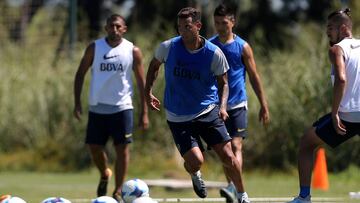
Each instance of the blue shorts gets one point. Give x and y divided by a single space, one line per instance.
236 124
208 127
326 131
118 125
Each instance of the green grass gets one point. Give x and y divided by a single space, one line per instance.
34 187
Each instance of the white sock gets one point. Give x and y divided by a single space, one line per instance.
197 173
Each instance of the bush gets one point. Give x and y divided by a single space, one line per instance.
38 131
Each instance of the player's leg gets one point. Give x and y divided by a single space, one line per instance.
322 132
231 164
121 165
193 159
229 192
309 142
96 138
99 158
187 141
236 145
226 155
236 125
121 128
216 136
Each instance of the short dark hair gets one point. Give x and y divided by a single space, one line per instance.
113 17
341 17
224 10
194 13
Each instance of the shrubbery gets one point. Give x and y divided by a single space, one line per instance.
38 131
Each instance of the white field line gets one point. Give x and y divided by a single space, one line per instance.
176 183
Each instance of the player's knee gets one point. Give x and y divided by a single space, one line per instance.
308 141
236 144
197 162
193 161
229 160
193 165
236 148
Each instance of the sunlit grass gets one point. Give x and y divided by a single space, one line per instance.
35 187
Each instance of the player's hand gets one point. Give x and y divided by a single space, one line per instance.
264 116
153 102
338 125
223 114
78 112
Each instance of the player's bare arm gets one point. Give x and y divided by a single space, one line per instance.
223 92
255 82
84 66
151 76
336 58
138 69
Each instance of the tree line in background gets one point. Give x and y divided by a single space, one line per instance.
274 18
37 129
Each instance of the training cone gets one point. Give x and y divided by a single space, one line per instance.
320 175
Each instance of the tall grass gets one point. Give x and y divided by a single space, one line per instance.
38 131
296 85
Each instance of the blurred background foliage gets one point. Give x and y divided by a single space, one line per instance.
39 133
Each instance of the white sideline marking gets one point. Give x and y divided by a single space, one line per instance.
176 183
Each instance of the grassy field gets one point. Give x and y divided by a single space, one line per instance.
34 187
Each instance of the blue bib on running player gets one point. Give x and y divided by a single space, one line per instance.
237 72
190 83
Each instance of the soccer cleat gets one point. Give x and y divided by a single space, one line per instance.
199 185
244 198
229 193
299 199
102 187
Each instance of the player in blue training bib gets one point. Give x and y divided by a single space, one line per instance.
195 97
241 61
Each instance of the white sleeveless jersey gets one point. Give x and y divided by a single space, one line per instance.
111 81
351 99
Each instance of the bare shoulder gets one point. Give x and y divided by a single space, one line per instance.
90 48
247 46
247 50
137 51
89 52
335 50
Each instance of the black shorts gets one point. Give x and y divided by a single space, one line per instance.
209 127
236 124
326 131
119 126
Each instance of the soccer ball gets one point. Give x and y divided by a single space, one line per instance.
133 189
104 199
56 200
144 200
11 199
